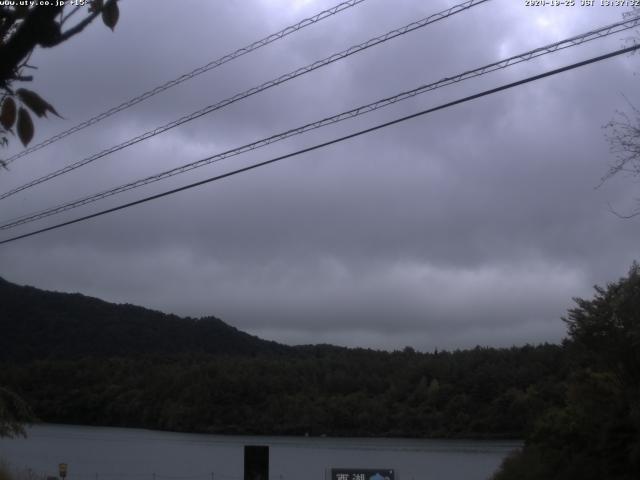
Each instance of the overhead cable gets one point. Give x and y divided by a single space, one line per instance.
355 112
330 142
188 76
252 91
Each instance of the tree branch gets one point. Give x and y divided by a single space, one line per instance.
619 215
78 28
69 15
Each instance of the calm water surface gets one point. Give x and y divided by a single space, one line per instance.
97 453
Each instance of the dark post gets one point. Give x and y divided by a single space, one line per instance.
256 462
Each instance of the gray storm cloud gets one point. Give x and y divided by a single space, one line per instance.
474 225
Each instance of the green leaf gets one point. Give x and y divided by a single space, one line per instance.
110 14
36 103
8 113
25 126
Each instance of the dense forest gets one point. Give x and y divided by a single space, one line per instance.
76 359
477 393
594 433
80 360
37 324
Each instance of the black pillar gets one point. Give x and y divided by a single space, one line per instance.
256 462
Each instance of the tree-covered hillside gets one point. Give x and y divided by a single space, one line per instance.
475 393
80 360
37 324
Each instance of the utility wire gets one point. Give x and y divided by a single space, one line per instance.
361 110
188 76
252 91
331 142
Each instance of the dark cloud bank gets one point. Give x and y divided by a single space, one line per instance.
475 225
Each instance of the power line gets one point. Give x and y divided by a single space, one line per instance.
361 110
252 91
188 76
330 142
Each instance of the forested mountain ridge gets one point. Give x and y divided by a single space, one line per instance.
576 404
39 324
81 360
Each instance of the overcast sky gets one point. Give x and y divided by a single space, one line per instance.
473 225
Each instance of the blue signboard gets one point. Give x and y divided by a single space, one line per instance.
362 474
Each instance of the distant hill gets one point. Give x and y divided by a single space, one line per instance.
80 360
38 324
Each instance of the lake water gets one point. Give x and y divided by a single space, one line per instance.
97 453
